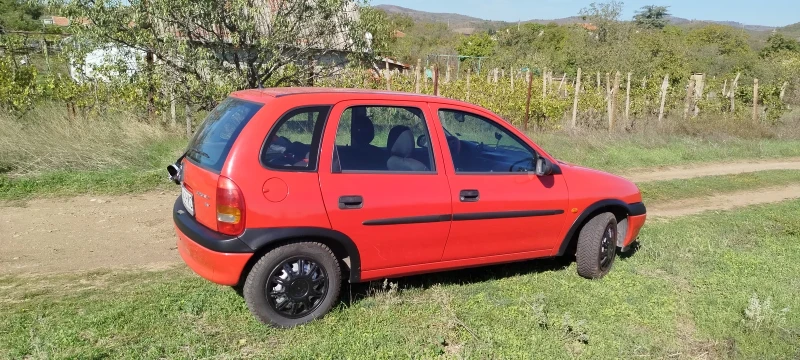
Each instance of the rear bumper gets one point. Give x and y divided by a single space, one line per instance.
216 257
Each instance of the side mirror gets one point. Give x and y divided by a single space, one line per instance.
422 141
543 166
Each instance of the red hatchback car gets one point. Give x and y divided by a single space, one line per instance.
285 192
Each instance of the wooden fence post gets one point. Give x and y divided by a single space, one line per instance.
528 101
575 102
628 100
436 79
496 73
613 101
664 88
511 74
608 97
469 76
447 75
783 90
544 84
733 91
388 77
417 75
644 82
725 88
172 112
755 100
188 111
687 105
561 84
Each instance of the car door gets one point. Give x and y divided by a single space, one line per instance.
499 205
386 192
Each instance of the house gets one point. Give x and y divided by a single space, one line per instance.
55 20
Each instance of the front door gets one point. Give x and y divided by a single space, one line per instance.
381 186
499 206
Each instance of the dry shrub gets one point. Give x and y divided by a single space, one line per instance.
47 139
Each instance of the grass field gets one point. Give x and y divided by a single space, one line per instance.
720 285
146 169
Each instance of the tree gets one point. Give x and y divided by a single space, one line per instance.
234 44
605 16
778 43
20 15
652 17
476 45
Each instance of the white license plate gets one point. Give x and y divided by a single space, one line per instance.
188 200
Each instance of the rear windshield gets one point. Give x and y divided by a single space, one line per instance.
213 140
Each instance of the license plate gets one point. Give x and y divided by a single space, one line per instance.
188 200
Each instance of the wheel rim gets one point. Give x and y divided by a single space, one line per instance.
608 246
296 287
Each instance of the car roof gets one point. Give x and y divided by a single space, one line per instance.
345 94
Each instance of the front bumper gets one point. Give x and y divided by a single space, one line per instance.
635 224
214 256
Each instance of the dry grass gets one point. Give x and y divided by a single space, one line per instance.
46 139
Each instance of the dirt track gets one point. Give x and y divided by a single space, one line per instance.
135 231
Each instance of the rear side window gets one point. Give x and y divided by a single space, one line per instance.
214 138
293 143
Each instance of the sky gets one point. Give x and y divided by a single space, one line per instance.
752 12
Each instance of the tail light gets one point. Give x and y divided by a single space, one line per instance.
230 207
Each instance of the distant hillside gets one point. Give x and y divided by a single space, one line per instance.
791 30
468 24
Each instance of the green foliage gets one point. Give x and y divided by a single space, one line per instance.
777 44
652 17
21 15
477 45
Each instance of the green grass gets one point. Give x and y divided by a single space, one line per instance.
688 290
660 191
618 153
606 152
146 173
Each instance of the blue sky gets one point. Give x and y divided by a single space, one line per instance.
758 12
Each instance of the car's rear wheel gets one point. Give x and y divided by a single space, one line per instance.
597 246
293 284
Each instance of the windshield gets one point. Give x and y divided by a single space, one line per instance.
214 138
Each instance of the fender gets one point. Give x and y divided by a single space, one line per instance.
257 238
631 210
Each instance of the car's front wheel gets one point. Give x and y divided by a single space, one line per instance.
597 246
293 284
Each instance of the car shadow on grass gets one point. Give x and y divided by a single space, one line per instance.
353 293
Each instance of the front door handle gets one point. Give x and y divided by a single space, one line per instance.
469 195
351 202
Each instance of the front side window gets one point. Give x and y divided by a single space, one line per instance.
214 138
479 145
293 144
382 138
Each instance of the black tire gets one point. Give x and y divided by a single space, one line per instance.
597 246
313 282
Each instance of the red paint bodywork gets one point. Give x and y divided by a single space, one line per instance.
221 268
311 198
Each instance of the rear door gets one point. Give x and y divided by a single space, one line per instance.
499 206
206 155
383 184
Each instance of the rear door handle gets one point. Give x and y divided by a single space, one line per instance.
351 202
469 195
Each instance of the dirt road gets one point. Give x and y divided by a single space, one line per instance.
135 231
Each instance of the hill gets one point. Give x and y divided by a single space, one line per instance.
468 24
792 31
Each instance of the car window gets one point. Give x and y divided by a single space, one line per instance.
214 138
382 138
479 145
294 143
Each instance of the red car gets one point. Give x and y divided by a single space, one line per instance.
287 192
